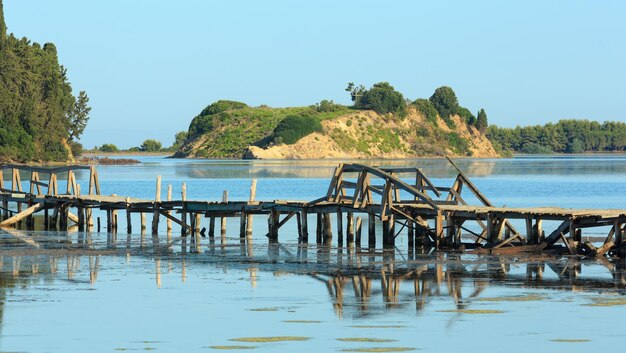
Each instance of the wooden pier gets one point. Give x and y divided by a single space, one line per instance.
404 200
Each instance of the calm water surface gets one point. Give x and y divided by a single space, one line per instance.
78 292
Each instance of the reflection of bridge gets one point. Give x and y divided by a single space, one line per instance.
359 281
404 199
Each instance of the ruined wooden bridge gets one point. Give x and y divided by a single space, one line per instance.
411 206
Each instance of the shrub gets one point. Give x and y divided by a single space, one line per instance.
222 106
326 106
457 143
109 148
466 115
151 145
294 127
426 108
445 101
382 98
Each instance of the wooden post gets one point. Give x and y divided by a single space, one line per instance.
169 198
114 218
359 223
538 231
212 227
574 232
371 231
157 202
410 233
328 232
242 224
319 229
81 219
305 227
143 220
17 186
183 214
224 200
299 221
273 221
197 224
339 227
109 222
619 232
251 199
350 227
129 227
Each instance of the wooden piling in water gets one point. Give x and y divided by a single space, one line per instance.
328 231
358 226
350 228
169 198
371 231
250 200
305 226
183 214
339 227
129 225
319 229
223 220
157 202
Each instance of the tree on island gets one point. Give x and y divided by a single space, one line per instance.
445 101
481 121
381 98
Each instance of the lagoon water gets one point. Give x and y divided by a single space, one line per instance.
78 292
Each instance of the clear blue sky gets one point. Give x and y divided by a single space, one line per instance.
150 66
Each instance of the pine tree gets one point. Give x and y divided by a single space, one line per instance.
3 27
481 121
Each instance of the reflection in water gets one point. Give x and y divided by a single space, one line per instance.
359 282
436 168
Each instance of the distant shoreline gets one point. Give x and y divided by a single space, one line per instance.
125 153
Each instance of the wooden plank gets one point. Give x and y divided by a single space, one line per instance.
18 217
174 219
556 234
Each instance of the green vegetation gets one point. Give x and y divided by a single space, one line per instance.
225 129
481 121
108 148
151 145
326 106
445 101
227 134
566 136
426 108
294 127
40 119
381 98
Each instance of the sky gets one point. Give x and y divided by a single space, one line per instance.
150 66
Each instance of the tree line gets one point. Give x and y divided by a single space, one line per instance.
566 136
40 118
